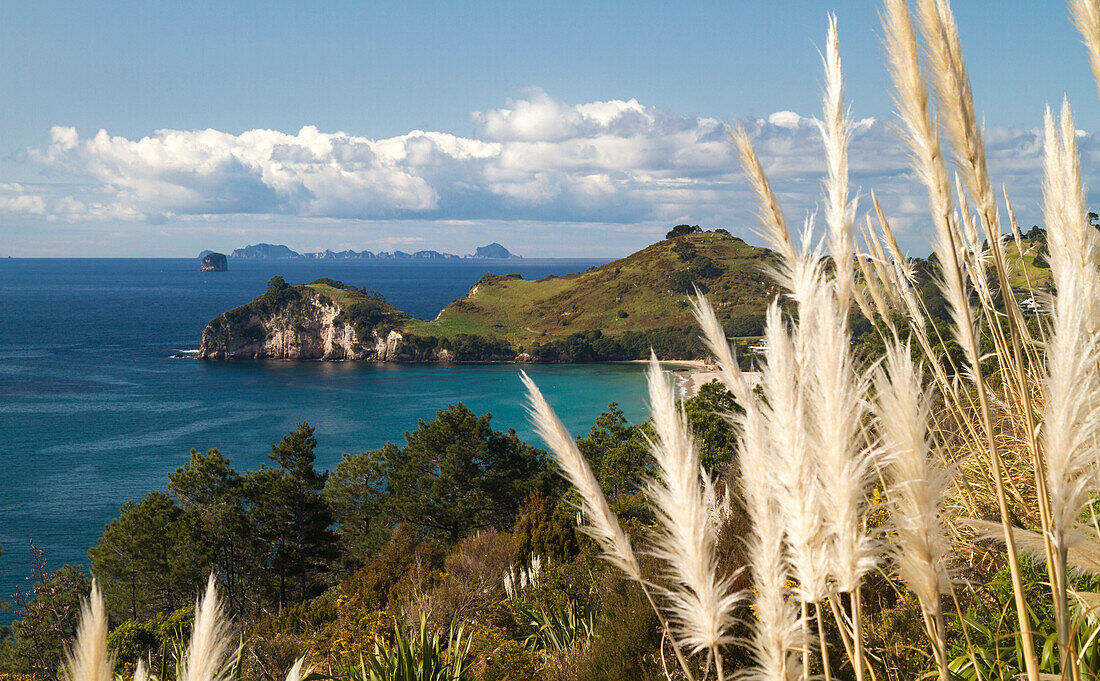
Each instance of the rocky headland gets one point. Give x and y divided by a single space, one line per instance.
617 311
317 321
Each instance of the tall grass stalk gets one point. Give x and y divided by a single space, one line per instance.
918 481
87 658
776 629
700 602
602 524
836 132
208 656
921 135
1073 372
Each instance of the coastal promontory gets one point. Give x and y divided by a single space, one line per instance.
616 311
323 320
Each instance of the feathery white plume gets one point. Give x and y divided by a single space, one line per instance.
835 406
702 603
777 629
1072 420
787 421
835 133
88 659
1086 16
715 338
602 524
207 657
917 476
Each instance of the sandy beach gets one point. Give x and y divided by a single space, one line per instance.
693 374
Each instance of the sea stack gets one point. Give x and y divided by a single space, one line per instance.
214 262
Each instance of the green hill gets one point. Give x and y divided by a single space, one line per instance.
612 312
616 311
1031 270
645 291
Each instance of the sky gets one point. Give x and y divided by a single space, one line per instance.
559 129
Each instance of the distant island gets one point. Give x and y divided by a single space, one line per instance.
213 262
616 311
280 252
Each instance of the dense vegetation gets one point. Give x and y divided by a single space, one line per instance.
320 563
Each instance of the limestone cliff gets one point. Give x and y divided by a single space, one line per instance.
315 321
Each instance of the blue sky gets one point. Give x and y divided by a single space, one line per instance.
510 95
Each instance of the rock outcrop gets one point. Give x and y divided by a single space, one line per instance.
305 324
494 251
213 262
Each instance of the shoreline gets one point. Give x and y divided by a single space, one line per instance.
690 374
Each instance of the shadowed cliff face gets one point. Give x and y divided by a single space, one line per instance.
305 324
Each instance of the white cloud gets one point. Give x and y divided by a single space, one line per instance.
537 159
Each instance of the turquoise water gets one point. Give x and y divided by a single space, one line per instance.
94 411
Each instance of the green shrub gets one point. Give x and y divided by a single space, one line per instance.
740 326
703 267
683 281
681 230
684 250
132 639
629 637
545 529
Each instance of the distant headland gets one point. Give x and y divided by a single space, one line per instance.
261 251
617 311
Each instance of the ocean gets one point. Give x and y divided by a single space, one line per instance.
94 411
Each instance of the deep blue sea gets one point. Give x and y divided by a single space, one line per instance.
94 411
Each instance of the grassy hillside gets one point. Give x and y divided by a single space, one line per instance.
616 311
1024 270
644 291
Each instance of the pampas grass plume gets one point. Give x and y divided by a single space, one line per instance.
1086 16
918 478
207 657
1073 379
701 602
602 524
777 629
835 134
88 659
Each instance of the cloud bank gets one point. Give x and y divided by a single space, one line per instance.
537 159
